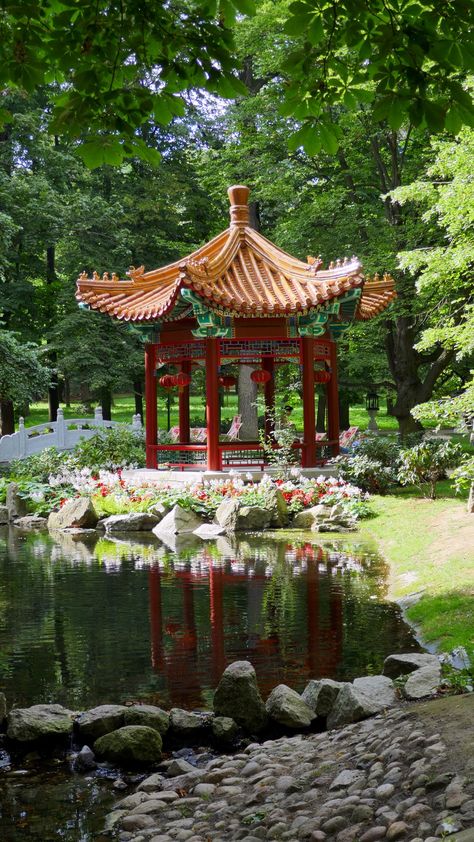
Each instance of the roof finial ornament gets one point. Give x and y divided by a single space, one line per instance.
239 205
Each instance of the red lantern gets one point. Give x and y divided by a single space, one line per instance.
181 379
260 376
166 381
227 381
322 376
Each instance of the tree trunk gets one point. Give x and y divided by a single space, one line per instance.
7 418
106 403
67 392
247 404
138 395
53 391
321 413
470 502
344 403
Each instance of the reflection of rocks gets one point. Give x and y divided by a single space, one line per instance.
3 515
180 543
39 722
76 547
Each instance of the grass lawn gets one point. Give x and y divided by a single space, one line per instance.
430 547
124 407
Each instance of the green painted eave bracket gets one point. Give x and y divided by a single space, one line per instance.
209 322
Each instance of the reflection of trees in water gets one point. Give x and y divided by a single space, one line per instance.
104 619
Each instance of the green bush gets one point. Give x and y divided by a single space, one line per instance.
40 466
380 449
368 474
109 449
426 463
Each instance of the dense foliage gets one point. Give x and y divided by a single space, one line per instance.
426 463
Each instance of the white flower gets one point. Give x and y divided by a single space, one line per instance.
37 496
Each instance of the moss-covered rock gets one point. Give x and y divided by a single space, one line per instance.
130 744
39 722
238 697
148 715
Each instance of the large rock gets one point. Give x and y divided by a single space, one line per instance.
251 518
226 514
224 729
396 665
16 505
423 682
77 514
178 520
286 707
101 720
39 722
149 715
186 725
306 518
131 522
3 515
278 507
365 697
321 695
130 744
234 517
238 697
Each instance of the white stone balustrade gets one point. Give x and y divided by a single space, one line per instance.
63 434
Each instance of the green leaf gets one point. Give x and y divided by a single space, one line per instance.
434 114
350 101
316 30
245 7
296 25
363 95
453 121
312 142
329 140
395 114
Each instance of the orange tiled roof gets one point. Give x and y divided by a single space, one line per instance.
239 272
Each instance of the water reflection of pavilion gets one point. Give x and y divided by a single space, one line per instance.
178 663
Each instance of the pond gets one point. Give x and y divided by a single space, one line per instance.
84 621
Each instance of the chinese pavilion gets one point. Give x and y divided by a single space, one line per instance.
240 299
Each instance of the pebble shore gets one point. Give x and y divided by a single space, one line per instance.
386 778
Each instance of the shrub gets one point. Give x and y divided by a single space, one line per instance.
39 466
426 463
380 449
109 449
368 474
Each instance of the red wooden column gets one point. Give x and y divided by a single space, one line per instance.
212 404
333 401
151 429
268 364
309 415
184 429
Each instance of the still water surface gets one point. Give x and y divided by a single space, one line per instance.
83 622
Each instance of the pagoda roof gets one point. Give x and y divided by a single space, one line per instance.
238 273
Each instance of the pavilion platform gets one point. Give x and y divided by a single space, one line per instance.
185 477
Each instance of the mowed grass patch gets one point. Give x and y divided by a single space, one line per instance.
429 545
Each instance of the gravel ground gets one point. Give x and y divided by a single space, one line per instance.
407 774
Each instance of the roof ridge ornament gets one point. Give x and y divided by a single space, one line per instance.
239 205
